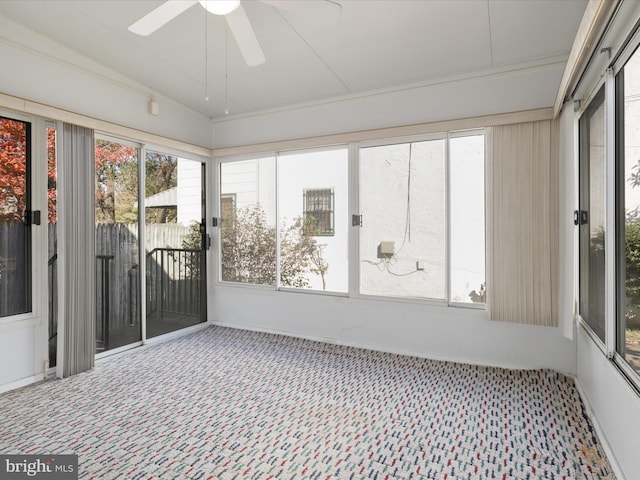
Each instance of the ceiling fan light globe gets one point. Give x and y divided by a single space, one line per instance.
220 7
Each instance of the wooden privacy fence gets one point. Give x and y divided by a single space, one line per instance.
14 268
173 274
172 280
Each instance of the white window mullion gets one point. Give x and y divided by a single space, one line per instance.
277 179
142 234
354 232
610 209
447 220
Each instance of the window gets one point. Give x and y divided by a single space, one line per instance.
628 215
313 253
403 234
270 233
228 206
15 224
467 219
118 313
248 237
318 211
417 221
592 216
52 240
422 206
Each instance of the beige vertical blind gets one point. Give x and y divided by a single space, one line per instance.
77 174
522 223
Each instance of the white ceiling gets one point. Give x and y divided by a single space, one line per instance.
375 45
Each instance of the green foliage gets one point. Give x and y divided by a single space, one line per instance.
632 281
296 251
117 183
479 296
13 169
248 247
193 241
161 174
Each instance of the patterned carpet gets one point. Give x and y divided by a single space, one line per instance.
231 404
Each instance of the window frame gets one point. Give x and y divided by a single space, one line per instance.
217 207
616 324
599 95
353 149
28 207
37 315
446 136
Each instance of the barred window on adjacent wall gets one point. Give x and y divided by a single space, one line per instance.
318 212
228 206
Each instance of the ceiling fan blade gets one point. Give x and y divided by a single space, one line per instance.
245 36
158 17
326 12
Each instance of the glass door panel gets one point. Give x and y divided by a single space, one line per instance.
117 240
15 229
628 328
175 243
52 248
592 216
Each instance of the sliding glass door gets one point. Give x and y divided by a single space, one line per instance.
117 239
15 217
172 264
175 243
591 216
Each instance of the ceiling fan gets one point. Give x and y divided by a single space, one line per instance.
235 16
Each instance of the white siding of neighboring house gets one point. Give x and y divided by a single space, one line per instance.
189 191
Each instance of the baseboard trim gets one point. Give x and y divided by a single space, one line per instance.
23 382
377 348
615 466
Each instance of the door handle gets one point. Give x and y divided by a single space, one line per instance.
580 217
32 217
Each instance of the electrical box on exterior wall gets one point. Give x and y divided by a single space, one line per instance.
386 249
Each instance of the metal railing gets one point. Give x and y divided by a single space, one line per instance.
103 302
52 278
173 287
173 281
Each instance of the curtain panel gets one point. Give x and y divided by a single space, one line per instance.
522 223
76 203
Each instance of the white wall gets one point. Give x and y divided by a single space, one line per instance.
429 331
37 69
20 352
525 89
613 404
459 334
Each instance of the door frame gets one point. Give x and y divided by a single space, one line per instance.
37 319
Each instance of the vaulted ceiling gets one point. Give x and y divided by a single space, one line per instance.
312 54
